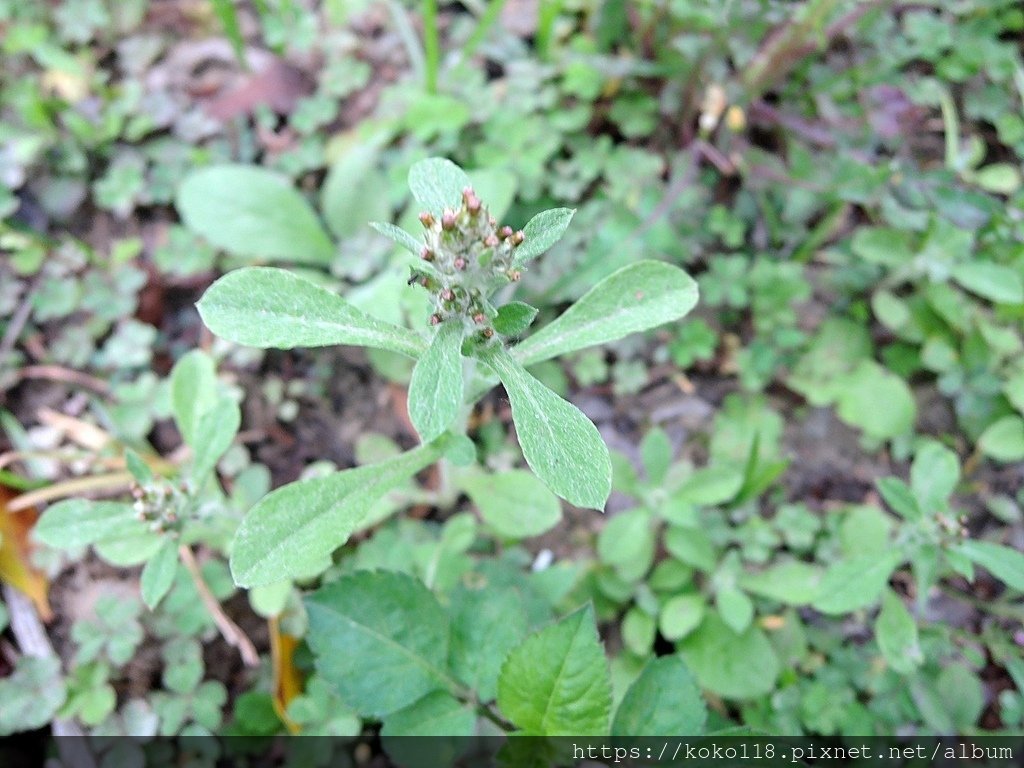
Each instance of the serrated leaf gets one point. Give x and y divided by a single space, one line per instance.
268 307
1004 563
79 522
561 445
292 532
735 665
541 232
486 625
437 183
250 211
663 701
632 299
514 318
896 634
436 714
158 574
514 504
380 638
856 583
557 682
436 388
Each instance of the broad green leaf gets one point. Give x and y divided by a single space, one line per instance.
962 695
437 183
1004 563
560 444
865 530
436 714
267 307
712 485
638 629
514 318
635 298
399 235
132 545
899 497
656 455
193 391
860 393
991 281
691 546
250 211
292 532
31 694
213 436
856 582
557 682
735 608
1000 178
789 583
381 638
680 615
79 522
1003 440
514 504
627 543
663 701
486 625
735 665
933 475
436 389
896 634
158 574
355 191
541 232
1013 388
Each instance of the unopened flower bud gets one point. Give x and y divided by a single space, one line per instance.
479 318
427 219
448 294
518 237
493 221
448 221
435 319
514 275
426 254
491 241
459 263
505 232
487 332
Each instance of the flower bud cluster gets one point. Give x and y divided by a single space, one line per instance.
470 256
162 504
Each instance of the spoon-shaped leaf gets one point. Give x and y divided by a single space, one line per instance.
268 307
561 445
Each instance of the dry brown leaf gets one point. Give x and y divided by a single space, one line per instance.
15 548
287 680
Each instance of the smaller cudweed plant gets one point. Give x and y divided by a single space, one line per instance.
464 347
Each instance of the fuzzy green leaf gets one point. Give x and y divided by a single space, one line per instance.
933 475
158 574
436 387
560 444
354 191
213 436
380 638
636 298
737 665
486 625
79 522
995 282
193 391
896 634
515 504
1004 563
437 183
267 307
856 582
399 235
514 318
663 701
557 682
292 532
250 211
541 232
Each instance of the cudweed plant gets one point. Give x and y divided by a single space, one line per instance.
465 258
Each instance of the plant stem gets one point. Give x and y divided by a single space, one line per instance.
231 632
431 45
547 14
487 19
112 482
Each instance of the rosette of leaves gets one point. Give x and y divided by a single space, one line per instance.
462 350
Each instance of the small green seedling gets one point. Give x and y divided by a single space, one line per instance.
466 259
